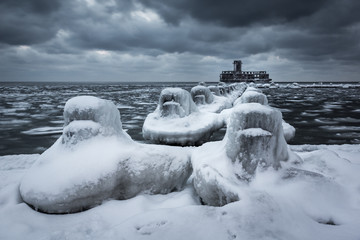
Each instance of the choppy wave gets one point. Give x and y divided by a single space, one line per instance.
32 114
44 131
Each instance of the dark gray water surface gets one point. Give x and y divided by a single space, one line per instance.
31 113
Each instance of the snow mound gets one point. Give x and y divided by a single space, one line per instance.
177 120
95 161
254 140
201 95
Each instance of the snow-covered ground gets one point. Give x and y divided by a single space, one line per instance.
299 206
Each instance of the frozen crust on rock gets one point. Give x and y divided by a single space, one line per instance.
201 95
255 136
85 167
94 109
175 102
252 97
207 102
177 120
254 139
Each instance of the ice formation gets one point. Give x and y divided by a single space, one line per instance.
215 90
201 95
207 102
178 121
254 139
175 102
252 96
95 160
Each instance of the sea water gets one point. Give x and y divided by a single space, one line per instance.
31 114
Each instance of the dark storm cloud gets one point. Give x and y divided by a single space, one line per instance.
27 22
304 32
323 27
234 13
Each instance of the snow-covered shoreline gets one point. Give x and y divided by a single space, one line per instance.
262 187
299 208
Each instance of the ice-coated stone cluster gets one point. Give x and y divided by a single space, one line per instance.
206 101
95 160
178 121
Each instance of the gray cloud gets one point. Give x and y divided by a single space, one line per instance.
269 34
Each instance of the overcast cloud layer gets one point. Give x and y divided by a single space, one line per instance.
178 40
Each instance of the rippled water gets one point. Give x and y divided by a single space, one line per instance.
31 114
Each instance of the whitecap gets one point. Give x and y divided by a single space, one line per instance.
44 131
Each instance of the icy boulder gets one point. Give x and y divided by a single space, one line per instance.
252 97
254 140
201 95
177 120
207 102
95 160
87 116
175 102
255 136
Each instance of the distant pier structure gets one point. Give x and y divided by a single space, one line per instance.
244 76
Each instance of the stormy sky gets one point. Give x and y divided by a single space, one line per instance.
178 40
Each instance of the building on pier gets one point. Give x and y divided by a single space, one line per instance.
244 76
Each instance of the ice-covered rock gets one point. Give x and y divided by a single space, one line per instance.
201 95
175 102
254 139
177 120
207 102
95 160
255 136
87 116
252 97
